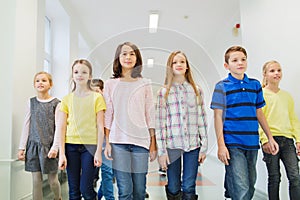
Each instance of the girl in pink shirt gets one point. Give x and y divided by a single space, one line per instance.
129 122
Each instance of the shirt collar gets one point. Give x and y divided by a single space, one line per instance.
185 83
234 80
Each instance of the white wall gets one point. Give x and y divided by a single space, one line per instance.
270 30
21 47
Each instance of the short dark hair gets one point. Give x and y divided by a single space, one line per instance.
234 49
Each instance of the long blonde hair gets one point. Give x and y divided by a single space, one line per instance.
264 70
188 76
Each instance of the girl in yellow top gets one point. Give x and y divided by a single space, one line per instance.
80 126
285 128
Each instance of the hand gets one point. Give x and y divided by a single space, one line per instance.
52 154
274 148
62 162
98 158
152 151
298 148
223 155
164 161
21 154
201 158
107 152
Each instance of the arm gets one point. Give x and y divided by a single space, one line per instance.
25 133
150 120
271 146
202 130
161 129
223 153
153 147
100 129
61 128
107 151
54 149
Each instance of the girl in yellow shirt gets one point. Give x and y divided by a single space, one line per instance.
80 126
285 128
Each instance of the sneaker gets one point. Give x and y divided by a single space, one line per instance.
162 172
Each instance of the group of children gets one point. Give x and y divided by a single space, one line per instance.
70 134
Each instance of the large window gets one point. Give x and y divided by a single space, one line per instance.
48 46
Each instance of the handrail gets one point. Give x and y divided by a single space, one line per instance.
9 160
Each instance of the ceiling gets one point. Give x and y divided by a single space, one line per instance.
193 26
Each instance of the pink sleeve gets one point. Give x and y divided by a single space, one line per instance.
109 112
149 106
57 136
25 130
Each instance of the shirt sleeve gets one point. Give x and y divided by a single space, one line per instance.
149 106
218 97
25 130
203 125
57 137
160 119
294 120
109 113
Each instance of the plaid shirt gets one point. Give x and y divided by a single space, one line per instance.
180 120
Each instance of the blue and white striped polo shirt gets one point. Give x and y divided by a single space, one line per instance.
239 100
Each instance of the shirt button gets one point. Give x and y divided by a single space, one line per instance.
243 89
242 82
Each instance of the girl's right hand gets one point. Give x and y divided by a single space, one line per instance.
164 161
62 163
21 155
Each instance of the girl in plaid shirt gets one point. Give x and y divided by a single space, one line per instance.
180 128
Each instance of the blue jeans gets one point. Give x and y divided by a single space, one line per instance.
189 174
130 166
241 173
106 188
80 171
287 154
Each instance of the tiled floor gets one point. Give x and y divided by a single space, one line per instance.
209 183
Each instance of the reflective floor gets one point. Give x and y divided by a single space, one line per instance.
209 183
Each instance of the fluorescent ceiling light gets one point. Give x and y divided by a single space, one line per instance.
153 22
150 62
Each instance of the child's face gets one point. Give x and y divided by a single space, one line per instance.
237 64
127 57
81 74
42 83
273 73
179 65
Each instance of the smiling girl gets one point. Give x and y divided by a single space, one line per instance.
181 128
80 126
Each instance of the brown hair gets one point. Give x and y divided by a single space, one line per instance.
48 76
86 63
117 67
234 49
96 82
265 68
188 75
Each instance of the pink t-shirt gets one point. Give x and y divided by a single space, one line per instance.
130 111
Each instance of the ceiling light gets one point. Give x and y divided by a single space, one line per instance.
153 22
150 62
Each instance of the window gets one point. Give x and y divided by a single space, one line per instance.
48 46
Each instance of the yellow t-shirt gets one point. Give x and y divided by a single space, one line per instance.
81 120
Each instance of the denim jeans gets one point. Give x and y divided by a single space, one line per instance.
80 171
130 167
287 154
106 188
241 173
189 173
